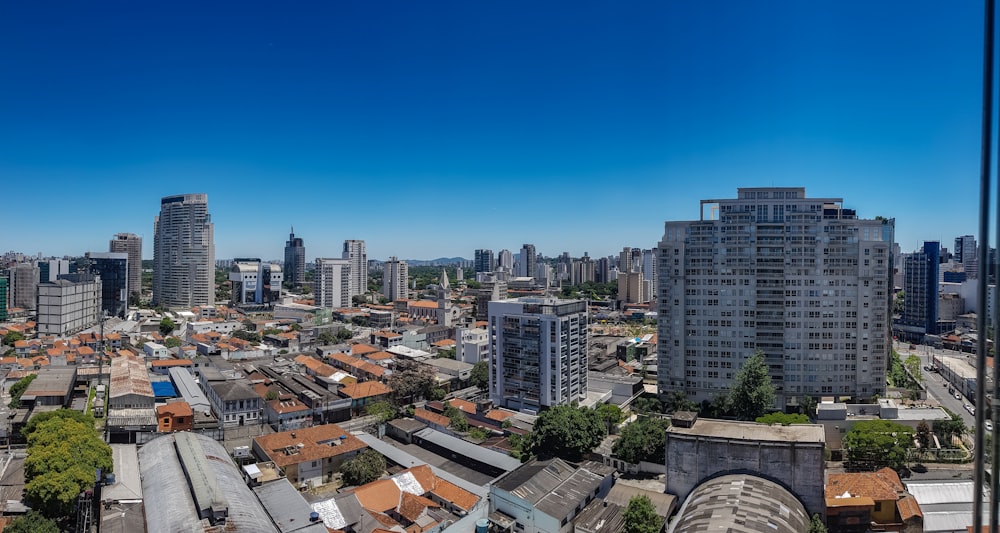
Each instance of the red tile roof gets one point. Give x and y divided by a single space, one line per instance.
365 389
318 442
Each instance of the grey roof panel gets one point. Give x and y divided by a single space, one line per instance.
468 449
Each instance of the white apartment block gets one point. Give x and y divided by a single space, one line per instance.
801 279
395 278
538 352
354 253
69 305
331 283
183 252
472 345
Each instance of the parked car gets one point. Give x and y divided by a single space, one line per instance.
958 396
989 425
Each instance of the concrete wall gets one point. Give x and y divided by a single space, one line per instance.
691 459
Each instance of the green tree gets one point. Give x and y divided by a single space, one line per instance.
752 393
816 524
365 467
808 406
873 444
912 364
567 432
65 414
249 336
63 457
11 337
948 428
458 420
678 401
326 338
17 389
783 419
640 516
271 395
446 353
480 375
412 382
167 326
646 404
295 327
383 410
610 415
719 407
172 342
642 440
33 522
924 434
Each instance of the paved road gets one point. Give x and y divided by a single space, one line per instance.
937 387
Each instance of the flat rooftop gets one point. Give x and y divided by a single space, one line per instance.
726 429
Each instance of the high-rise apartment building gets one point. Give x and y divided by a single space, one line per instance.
357 258
113 270
395 278
3 298
51 269
967 253
583 270
183 252
131 244
24 285
803 280
538 352
920 286
483 260
331 282
649 267
295 260
505 260
69 304
527 262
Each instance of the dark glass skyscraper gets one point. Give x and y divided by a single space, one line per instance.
113 269
295 260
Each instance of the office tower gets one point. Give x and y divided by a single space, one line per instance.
395 277
255 282
920 285
183 252
331 282
538 352
483 260
803 280
649 267
527 262
967 253
131 244
295 260
357 258
51 269
602 270
69 304
113 270
24 285
3 299
630 288
505 260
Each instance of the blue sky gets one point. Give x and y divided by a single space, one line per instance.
433 128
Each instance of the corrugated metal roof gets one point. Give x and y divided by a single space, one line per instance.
287 507
468 449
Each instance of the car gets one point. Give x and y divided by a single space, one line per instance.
989 426
958 397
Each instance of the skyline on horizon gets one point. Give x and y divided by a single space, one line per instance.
433 132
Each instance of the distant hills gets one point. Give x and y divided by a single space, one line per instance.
436 262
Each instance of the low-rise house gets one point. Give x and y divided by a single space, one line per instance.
365 393
234 403
163 366
310 456
857 501
174 416
287 414
155 351
386 339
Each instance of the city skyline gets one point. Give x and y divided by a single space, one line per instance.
577 129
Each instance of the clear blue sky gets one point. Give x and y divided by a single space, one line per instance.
433 128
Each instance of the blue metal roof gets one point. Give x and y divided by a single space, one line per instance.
164 389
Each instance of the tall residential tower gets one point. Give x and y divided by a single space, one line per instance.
357 258
131 244
803 280
183 252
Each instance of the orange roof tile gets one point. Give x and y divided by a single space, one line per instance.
380 496
171 362
386 334
463 405
319 442
861 501
426 304
444 342
379 356
883 485
175 409
498 415
908 508
411 506
451 492
287 406
365 389
361 349
432 417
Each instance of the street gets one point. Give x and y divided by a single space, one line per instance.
934 383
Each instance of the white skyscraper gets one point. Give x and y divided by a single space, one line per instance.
183 252
332 283
803 280
395 277
539 352
354 252
505 260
